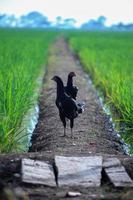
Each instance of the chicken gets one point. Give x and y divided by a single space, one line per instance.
70 89
66 105
73 90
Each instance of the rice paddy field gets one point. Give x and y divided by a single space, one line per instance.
108 58
23 58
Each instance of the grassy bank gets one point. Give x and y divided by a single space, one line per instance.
108 57
23 57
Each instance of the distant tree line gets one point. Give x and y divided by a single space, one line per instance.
37 20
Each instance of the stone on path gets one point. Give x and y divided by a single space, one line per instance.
73 194
37 172
79 171
117 173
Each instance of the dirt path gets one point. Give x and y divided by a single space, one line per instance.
93 132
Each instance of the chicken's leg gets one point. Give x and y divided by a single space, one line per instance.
71 125
64 131
62 117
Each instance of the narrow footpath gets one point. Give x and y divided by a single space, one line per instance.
93 133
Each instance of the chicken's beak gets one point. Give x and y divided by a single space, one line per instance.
52 79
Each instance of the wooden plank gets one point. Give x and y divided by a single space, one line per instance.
111 162
76 171
117 173
37 172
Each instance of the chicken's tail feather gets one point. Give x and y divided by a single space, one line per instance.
80 107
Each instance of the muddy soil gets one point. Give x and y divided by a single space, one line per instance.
93 135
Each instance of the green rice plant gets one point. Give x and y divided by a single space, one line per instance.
23 58
107 56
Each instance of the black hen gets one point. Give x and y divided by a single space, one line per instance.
67 106
70 89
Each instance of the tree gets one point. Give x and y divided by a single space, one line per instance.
92 24
34 19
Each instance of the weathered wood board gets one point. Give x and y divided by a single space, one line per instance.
37 172
76 171
84 171
117 173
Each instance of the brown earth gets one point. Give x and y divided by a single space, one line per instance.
93 135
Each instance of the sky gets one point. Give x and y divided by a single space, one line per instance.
82 10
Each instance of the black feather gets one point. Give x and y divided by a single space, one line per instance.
70 89
66 104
